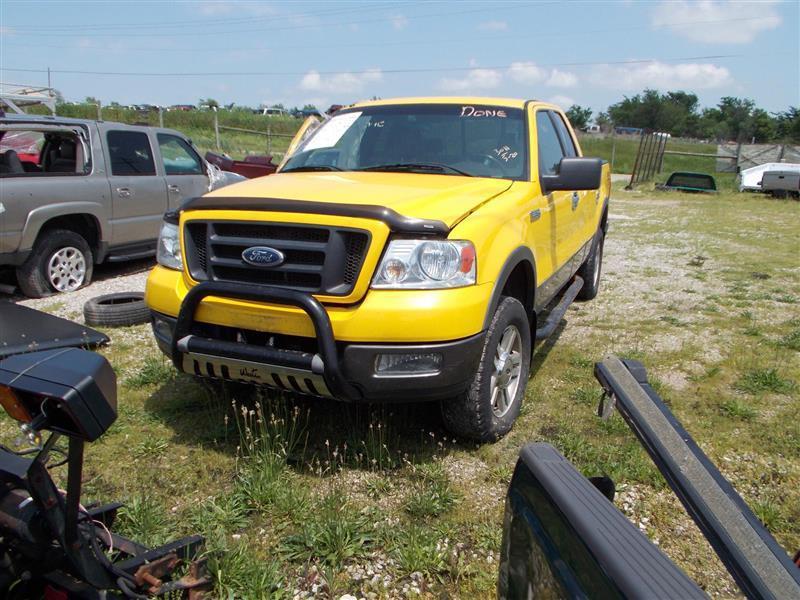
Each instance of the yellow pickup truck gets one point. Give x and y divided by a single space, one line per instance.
406 250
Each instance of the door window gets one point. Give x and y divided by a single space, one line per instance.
550 151
563 133
130 153
178 156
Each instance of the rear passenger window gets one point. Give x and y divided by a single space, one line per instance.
178 156
130 153
550 152
566 138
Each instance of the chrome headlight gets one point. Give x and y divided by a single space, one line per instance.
168 253
426 264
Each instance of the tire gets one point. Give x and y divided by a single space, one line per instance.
117 310
591 270
472 414
61 261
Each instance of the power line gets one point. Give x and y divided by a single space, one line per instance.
426 41
272 29
208 21
376 70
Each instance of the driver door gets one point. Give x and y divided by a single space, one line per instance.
184 170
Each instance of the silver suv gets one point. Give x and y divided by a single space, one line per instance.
75 193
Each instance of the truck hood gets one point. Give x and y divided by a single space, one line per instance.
446 198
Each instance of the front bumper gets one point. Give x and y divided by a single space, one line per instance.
345 371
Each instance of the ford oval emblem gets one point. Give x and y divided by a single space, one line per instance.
263 256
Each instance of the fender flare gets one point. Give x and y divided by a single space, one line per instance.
522 254
39 216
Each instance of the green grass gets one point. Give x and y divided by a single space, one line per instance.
757 381
293 494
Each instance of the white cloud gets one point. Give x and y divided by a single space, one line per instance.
745 20
217 8
527 72
530 73
658 75
563 101
563 79
475 79
341 83
399 21
493 26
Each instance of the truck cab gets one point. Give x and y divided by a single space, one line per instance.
404 251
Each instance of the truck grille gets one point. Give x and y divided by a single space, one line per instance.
317 259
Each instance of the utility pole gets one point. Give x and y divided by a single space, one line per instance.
50 89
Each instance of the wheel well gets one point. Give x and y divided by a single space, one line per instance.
82 224
604 220
520 285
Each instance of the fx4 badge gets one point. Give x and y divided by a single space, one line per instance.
263 256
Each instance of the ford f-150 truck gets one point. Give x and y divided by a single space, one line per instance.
406 250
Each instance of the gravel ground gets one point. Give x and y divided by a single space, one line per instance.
108 279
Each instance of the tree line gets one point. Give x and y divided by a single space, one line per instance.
679 114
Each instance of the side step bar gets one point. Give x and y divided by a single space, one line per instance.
760 566
559 310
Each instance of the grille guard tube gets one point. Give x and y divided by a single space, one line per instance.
334 378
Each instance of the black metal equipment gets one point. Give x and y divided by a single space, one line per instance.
50 545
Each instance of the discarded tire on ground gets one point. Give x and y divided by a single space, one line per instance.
116 310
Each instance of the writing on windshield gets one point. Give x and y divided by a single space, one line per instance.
446 139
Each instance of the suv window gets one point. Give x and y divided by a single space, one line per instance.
178 156
563 133
550 152
130 153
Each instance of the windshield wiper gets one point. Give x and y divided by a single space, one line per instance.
311 168
436 167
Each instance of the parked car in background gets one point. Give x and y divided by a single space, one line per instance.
78 192
273 112
182 107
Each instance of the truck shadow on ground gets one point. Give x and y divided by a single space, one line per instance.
366 436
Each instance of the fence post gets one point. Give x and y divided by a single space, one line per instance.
99 112
269 139
216 127
613 148
161 116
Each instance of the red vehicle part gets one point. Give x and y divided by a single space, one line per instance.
250 167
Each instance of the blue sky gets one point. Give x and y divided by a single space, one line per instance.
590 53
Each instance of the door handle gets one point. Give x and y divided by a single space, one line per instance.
124 192
174 188
575 199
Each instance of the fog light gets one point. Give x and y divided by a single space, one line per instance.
408 364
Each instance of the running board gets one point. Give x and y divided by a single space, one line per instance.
760 566
559 310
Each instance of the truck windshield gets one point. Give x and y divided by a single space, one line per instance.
443 139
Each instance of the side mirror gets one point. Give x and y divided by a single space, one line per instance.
574 174
72 392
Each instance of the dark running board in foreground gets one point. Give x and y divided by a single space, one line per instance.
559 310
755 560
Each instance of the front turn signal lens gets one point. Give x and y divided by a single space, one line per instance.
13 406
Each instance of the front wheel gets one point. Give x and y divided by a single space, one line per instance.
488 409
61 261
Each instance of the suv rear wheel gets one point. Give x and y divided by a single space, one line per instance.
61 261
488 409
